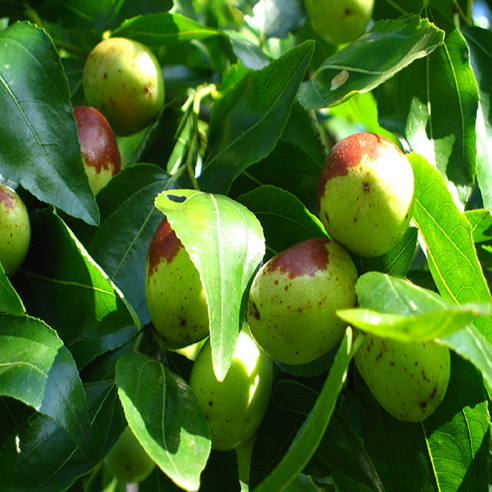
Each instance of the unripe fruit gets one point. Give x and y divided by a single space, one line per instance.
98 147
235 407
127 460
173 290
294 298
408 379
122 78
15 230
366 194
339 21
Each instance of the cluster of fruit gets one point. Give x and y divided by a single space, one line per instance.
365 202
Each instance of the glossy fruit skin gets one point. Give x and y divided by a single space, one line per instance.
98 147
293 299
339 21
174 292
366 194
123 79
127 460
235 407
408 379
15 230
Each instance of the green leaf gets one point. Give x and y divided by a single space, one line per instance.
248 120
10 302
287 167
416 328
480 44
40 148
37 369
284 219
225 242
129 220
361 66
41 456
163 29
60 283
309 436
449 246
432 105
165 416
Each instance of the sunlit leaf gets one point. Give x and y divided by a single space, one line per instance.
370 60
165 416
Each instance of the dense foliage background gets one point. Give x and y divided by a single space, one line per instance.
254 99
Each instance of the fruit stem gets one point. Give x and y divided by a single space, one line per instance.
318 132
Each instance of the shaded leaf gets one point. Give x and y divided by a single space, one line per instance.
37 369
284 219
41 456
40 148
129 220
480 44
309 436
225 242
248 120
62 284
163 29
10 302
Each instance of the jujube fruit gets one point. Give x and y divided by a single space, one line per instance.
294 298
339 21
366 194
409 380
15 230
174 292
235 407
127 460
98 146
123 79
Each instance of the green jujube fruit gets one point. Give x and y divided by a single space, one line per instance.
294 298
123 79
15 230
127 460
409 380
174 292
366 194
235 407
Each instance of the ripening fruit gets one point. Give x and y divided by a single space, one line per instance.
235 407
127 460
366 194
98 147
15 230
123 79
294 298
339 21
408 379
173 290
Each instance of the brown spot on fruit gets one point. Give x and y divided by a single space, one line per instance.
164 245
350 152
6 198
304 258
